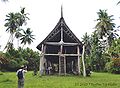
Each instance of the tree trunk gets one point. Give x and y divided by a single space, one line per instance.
83 62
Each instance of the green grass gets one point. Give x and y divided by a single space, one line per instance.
97 80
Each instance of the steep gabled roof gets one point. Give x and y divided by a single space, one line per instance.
57 29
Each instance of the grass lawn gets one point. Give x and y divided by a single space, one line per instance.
97 80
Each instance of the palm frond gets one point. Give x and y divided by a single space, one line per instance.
118 3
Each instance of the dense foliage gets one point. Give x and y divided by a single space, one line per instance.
17 58
102 47
113 66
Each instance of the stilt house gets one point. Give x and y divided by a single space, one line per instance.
61 51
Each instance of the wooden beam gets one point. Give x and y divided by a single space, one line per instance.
62 43
63 55
71 35
52 43
51 54
72 44
78 52
72 54
53 35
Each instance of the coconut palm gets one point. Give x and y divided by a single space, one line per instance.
86 51
16 20
14 23
105 26
27 37
11 25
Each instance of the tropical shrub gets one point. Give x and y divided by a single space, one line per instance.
3 61
113 66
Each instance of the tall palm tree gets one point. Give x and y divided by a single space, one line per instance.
14 23
27 37
11 25
15 20
86 51
105 26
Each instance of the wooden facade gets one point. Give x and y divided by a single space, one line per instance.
61 51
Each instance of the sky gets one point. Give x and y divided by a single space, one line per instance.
79 15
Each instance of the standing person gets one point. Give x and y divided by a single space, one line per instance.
21 76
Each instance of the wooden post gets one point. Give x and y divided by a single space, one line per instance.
41 61
61 49
44 61
72 63
40 65
64 65
59 65
83 62
78 52
65 62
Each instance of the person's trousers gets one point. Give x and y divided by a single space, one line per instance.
21 83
